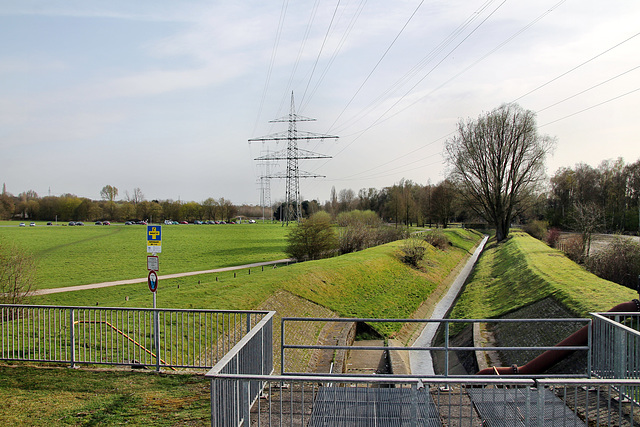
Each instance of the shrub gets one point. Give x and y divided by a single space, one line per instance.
436 238
573 247
385 234
355 238
356 217
364 229
537 229
619 262
313 238
413 251
553 235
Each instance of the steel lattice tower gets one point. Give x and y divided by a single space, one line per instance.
292 154
265 189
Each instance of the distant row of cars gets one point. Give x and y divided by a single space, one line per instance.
167 222
197 222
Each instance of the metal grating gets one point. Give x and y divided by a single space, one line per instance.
367 406
502 407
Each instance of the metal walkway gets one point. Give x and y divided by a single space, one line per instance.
510 407
358 406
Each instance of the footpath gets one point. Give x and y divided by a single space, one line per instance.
166 276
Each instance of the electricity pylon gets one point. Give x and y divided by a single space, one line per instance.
293 210
265 188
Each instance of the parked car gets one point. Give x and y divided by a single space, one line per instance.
128 223
79 223
49 223
197 222
33 224
184 222
98 222
106 223
22 224
71 223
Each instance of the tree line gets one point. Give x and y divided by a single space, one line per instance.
69 207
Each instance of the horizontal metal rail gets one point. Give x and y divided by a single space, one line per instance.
446 347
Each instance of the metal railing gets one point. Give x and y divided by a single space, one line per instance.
616 352
446 347
160 338
473 401
253 355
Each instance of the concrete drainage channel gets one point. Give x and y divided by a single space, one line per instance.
404 362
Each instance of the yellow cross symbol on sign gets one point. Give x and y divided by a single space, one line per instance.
154 233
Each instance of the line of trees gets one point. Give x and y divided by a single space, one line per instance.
605 198
69 207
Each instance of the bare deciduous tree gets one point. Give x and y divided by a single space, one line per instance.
498 159
17 274
587 219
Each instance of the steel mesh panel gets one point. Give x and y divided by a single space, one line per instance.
360 406
500 407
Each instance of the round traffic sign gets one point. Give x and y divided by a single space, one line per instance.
153 281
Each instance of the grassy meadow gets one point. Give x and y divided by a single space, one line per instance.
69 256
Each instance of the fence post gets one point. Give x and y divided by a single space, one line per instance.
156 336
282 346
446 349
72 337
540 406
414 404
245 402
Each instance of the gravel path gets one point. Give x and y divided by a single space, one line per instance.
144 279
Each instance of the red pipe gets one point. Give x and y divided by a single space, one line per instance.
550 357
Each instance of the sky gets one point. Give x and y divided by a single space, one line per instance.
164 96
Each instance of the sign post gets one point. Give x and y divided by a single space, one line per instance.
154 246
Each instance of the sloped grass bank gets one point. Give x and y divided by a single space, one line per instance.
522 271
372 283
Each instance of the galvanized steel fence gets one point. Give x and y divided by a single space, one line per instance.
396 401
253 355
160 338
616 353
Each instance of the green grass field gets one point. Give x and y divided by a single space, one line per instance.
69 256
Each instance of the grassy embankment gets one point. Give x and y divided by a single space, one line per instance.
524 270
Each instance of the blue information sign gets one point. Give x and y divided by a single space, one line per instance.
154 238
